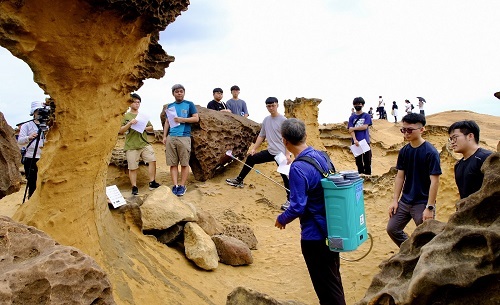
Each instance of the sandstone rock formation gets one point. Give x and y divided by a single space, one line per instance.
199 247
453 263
10 178
216 133
242 232
35 269
306 109
232 251
87 52
247 296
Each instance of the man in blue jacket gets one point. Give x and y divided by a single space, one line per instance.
308 204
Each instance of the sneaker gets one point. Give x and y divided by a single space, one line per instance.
235 182
175 188
181 190
153 184
135 190
285 205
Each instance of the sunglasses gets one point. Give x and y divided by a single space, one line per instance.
408 130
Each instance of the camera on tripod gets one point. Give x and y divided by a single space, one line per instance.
43 116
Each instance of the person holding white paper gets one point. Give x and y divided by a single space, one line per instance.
137 145
177 137
358 128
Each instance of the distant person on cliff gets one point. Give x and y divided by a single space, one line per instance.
395 111
307 203
137 145
28 136
358 128
381 108
236 105
408 107
464 139
370 112
421 103
270 131
217 104
177 137
417 180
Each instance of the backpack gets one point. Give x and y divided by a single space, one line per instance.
412 107
313 162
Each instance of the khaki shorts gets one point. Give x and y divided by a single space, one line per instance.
178 150
133 156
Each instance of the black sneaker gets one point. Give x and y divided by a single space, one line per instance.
153 184
135 190
235 182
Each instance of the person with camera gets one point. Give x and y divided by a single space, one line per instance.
28 135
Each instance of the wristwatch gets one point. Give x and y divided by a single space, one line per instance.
430 207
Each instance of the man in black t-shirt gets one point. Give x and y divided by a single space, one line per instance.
217 103
464 139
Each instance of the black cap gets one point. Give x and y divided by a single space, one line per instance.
271 100
135 96
218 90
235 88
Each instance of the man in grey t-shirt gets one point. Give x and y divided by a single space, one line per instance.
237 106
271 130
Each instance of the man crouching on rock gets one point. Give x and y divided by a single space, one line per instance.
308 204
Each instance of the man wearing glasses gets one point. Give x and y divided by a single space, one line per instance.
271 130
464 139
417 180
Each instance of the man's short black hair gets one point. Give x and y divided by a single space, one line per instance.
358 100
235 88
271 100
466 127
414 118
294 131
135 96
218 90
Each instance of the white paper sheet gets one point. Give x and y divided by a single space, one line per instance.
362 148
283 168
114 196
142 121
171 114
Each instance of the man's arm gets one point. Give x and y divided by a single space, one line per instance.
398 187
256 145
166 127
127 126
433 190
193 119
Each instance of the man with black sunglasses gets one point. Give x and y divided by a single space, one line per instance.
417 180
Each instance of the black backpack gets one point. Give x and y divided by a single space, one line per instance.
412 107
331 168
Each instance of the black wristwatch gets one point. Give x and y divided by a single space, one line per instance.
430 207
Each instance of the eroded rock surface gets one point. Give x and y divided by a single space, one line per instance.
10 178
247 296
306 109
453 263
215 134
242 232
35 269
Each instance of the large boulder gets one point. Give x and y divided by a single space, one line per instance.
35 269
242 232
10 178
453 263
199 247
215 134
162 209
232 251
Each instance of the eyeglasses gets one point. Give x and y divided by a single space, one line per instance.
408 130
454 138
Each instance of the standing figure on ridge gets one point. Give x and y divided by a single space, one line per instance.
358 128
395 111
137 146
177 137
417 180
381 108
464 139
236 105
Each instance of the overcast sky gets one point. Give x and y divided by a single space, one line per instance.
445 51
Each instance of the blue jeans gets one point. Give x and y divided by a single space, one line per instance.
404 213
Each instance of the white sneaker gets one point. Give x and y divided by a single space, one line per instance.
285 205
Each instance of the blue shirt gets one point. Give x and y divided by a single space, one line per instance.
418 164
184 109
238 107
307 199
364 118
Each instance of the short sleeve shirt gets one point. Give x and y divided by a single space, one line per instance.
357 120
133 139
238 107
468 175
418 164
271 130
184 109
